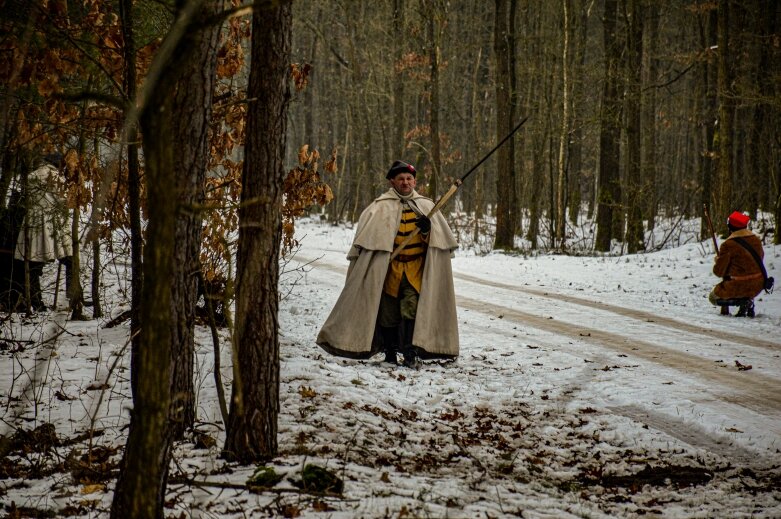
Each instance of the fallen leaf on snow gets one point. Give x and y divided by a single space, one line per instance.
91 489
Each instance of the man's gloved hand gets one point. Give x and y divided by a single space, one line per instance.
423 223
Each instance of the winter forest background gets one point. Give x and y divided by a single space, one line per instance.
195 133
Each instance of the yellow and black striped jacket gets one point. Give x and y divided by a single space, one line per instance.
411 259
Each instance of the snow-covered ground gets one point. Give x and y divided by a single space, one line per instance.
587 386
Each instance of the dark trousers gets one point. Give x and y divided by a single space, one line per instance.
394 309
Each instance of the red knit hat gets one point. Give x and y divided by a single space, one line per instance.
738 220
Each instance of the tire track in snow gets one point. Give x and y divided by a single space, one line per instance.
627 312
695 436
759 392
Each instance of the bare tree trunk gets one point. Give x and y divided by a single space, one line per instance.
436 152
649 114
190 113
472 147
576 136
515 171
773 150
561 182
537 185
76 296
635 183
726 115
140 490
505 227
97 310
608 188
251 434
399 125
134 193
540 83
708 108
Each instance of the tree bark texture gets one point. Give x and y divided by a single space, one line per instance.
505 228
399 124
251 435
561 182
608 187
636 190
134 191
650 69
707 106
190 110
726 117
140 491
436 152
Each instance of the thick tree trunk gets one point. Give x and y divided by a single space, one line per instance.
190 111
636 186
505 227
726 116
140 491
608 187
251 435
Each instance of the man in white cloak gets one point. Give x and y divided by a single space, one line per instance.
406 305
46 234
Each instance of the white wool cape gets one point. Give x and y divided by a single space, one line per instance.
46 233
349 330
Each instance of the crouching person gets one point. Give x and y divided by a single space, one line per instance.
405 305
741 271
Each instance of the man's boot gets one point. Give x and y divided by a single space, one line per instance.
411 359
390 342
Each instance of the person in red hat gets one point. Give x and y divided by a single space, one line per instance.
742 277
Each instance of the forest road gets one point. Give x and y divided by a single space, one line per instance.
628 312
750 389
756 391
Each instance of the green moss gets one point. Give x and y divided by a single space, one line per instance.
264 477
319 479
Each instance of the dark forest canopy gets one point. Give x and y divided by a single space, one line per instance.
674 106
372 93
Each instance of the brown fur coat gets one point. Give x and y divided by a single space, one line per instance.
742 276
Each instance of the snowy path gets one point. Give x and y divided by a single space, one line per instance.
561 376
586 387
655 345
629 312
